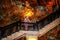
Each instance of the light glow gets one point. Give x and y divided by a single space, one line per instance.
28 13
32 38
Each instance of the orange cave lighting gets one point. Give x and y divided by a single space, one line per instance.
28 13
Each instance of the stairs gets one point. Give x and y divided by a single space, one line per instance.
39 33
49 27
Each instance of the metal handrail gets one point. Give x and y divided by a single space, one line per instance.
14 27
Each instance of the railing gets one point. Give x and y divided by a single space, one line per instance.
17 26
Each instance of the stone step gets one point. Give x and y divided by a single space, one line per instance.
34 33
4 39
